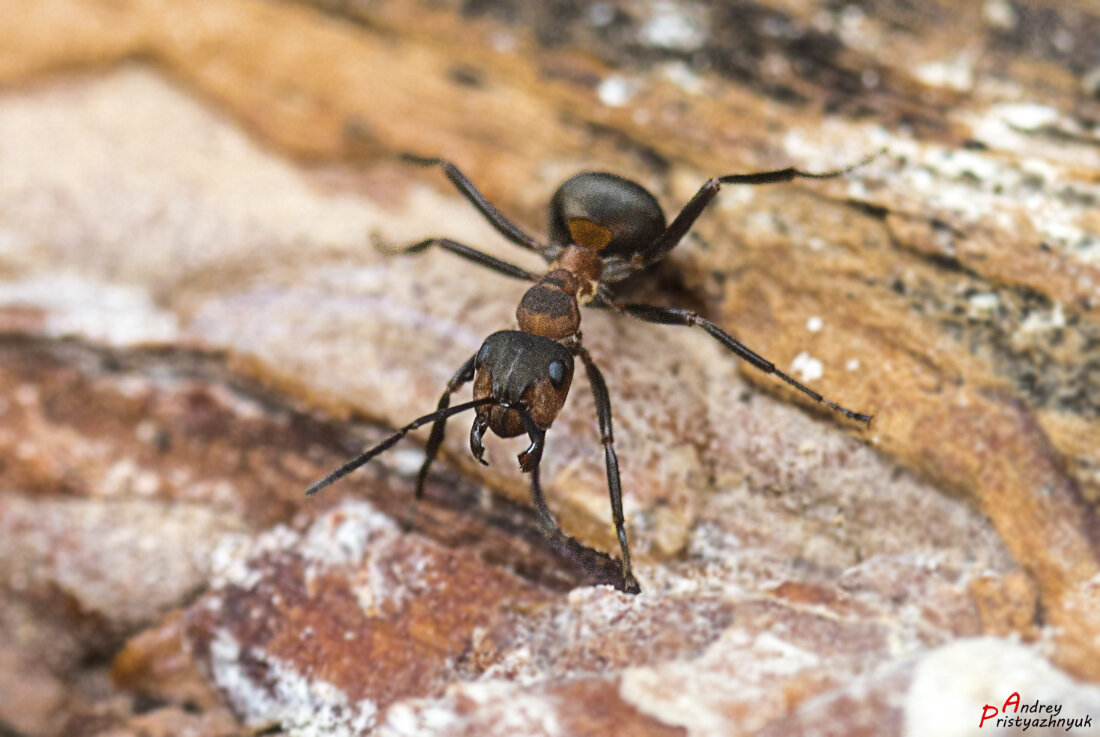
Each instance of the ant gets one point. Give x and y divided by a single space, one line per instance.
603 228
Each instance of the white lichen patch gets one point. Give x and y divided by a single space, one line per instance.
856 30
1088 252
419 718
231 562
500 709
1042 320
808 367
681 75
302 706
956 73
616 90
353 541
1027 116
675 26
343 536
350 540
1000 14
525 712
983 305
1019 127
1025 181
125 477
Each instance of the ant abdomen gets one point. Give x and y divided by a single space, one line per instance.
605 213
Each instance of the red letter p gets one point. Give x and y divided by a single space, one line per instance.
987 714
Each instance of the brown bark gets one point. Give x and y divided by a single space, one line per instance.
196 327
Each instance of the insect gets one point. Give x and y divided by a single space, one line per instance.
602 229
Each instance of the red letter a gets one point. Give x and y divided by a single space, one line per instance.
986 714
1015 704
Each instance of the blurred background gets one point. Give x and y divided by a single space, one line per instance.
194 326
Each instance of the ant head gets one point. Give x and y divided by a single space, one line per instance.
517 369
605 213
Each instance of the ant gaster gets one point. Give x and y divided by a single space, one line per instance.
602 229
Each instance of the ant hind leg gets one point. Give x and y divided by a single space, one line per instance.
683 221
678 316
614 485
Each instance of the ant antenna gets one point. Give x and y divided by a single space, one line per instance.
840 172
786 175
391 441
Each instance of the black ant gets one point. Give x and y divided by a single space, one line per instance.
603 228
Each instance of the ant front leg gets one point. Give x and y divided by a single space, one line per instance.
677 316
439 427
529 461
595 564
546 519
614 485
503 225
598 567
683 221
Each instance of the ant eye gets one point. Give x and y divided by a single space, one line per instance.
557 374
482 355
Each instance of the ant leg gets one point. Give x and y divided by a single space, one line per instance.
461 249
529 461
600 568
677 316
504 226
547 521
592 562
682 223
435 439
614 485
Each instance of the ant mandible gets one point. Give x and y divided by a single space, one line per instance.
603 228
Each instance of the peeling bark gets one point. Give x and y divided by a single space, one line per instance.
195 327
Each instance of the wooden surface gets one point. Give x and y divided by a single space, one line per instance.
186 193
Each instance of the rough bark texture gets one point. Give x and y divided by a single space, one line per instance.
195 327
